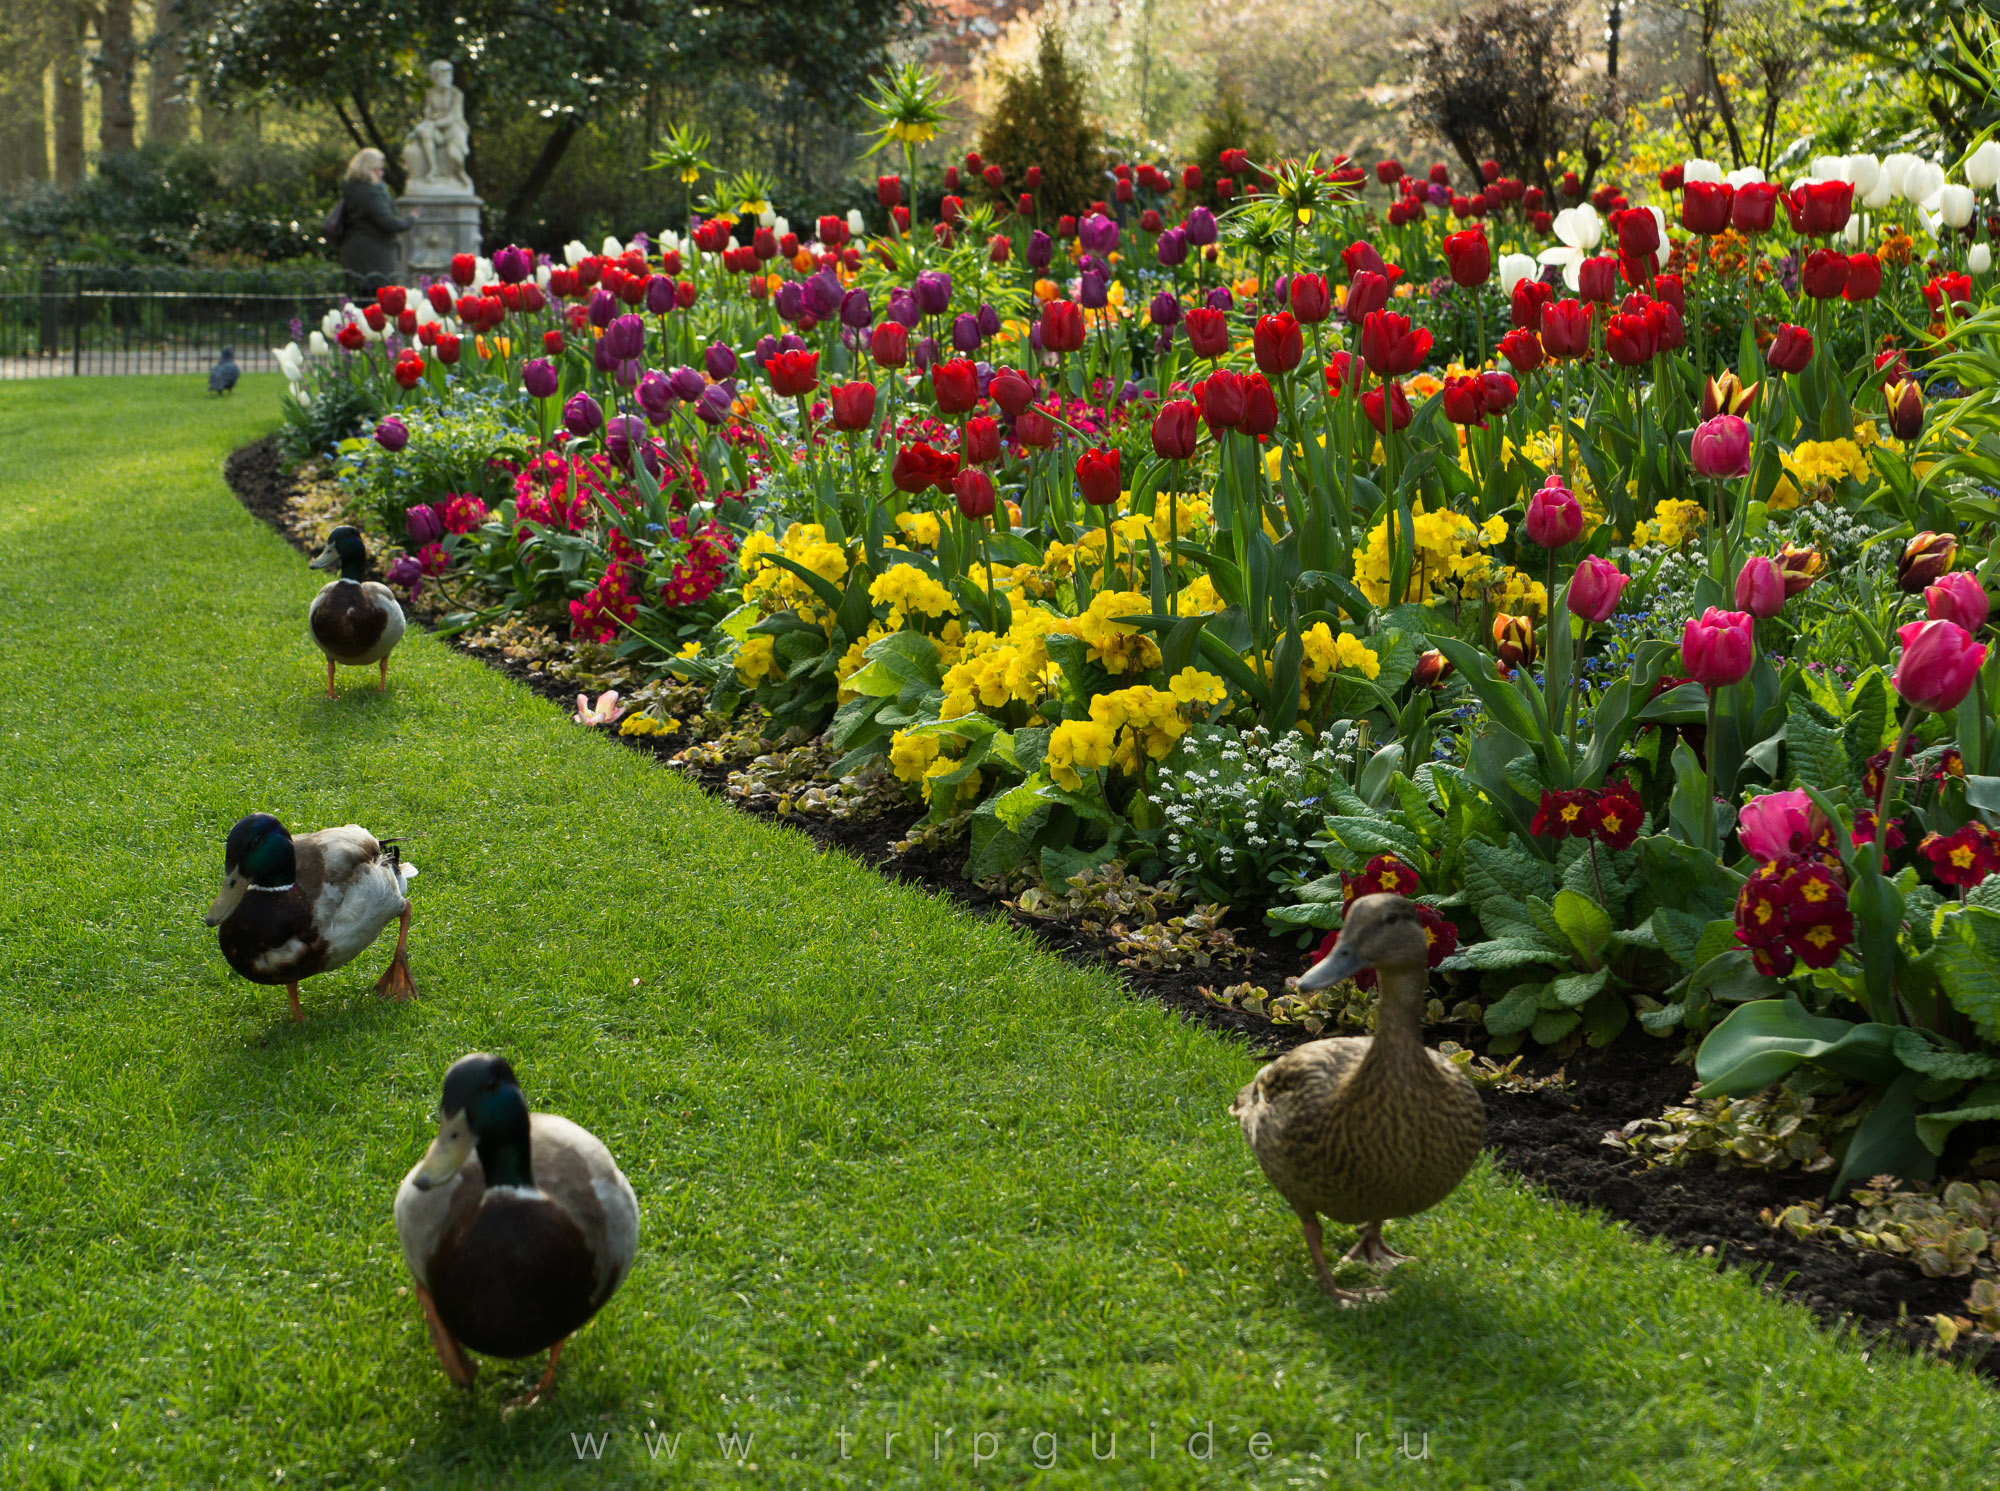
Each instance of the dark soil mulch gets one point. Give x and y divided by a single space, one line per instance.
1551 1138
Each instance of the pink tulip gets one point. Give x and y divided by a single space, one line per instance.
1776 824
1940 660
1555 517
1716 647
1958 597
1595 588
1721 447
1760 587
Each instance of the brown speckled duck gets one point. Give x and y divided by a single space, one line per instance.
1365 1128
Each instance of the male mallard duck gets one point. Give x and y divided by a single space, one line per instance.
291 908
517 1245
355 621
1363 1128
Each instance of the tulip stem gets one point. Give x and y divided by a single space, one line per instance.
1708 786
1889 776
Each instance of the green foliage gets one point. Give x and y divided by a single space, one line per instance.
1041 119
1944 46
1227 125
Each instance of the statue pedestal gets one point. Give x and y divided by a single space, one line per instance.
447 226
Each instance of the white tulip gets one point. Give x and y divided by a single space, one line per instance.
574 253
1581 230
669 241
854 223
1855 233
1744 176
542 273
1922 182
1880 195
331 322
304 398
766 218
316 344
1701 170
1955 205
1830 167
426 314
1980 259
612 249
1931 222
1864 172
1513 269
1982 167
1895 167
291 361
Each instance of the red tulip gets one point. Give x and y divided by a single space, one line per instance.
1955 288
1465 400
1398 404
1864 278
1278 343
1062 326
1011 391
1362 256
1260 407
1595 588
1208 332
889 344
793 374
1940 661
1824 274
1754 208
1597 279
1391 346
1721 448
973 490
1566 328
1367 293
1175 430
1526 303
1631 340
916 468
1523 351
889 190
1469 258
1958 597
1717 646
1790 350
853 406
1705 207
956 384
1638 233
1097 477
1222 397
1820 207
1034 429
982 439
1311 301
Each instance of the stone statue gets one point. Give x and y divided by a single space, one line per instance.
434 158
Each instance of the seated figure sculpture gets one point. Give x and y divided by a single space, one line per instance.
434 157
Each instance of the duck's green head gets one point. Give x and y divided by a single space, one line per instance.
482 1108
344 551
257 856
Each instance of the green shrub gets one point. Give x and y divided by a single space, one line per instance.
1041 120
1228 126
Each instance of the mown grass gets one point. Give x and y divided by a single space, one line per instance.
899 1173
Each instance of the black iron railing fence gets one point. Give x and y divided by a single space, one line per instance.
60 320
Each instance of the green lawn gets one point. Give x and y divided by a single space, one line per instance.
898 1172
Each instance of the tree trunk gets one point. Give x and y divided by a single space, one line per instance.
166 98
24 114
530 189
114 65
69 103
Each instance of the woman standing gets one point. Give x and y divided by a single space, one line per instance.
370 224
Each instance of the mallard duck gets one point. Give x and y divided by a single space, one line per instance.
355 621
291 908
517 1227
1361 1128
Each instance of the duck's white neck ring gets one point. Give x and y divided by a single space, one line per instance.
344 580
286 886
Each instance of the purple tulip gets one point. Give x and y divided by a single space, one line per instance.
603 306
623 434
688 384
767 348
1200 227
626 338
538 376
1440 195
581 416
1099 233
1172 248
924 354
790 301
1219 299
513 264
932 292
823 293
600 354
965 332
407 573
422 524
659 295
656 396
1041 250
903 309
984 370
1165 309
1281 289
1093 290
989 319
1035 339
855 311
392 434
720 360
713 407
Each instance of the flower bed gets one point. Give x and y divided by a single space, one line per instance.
1608 580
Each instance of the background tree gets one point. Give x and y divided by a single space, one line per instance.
1947 48
1042 118
1506 82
